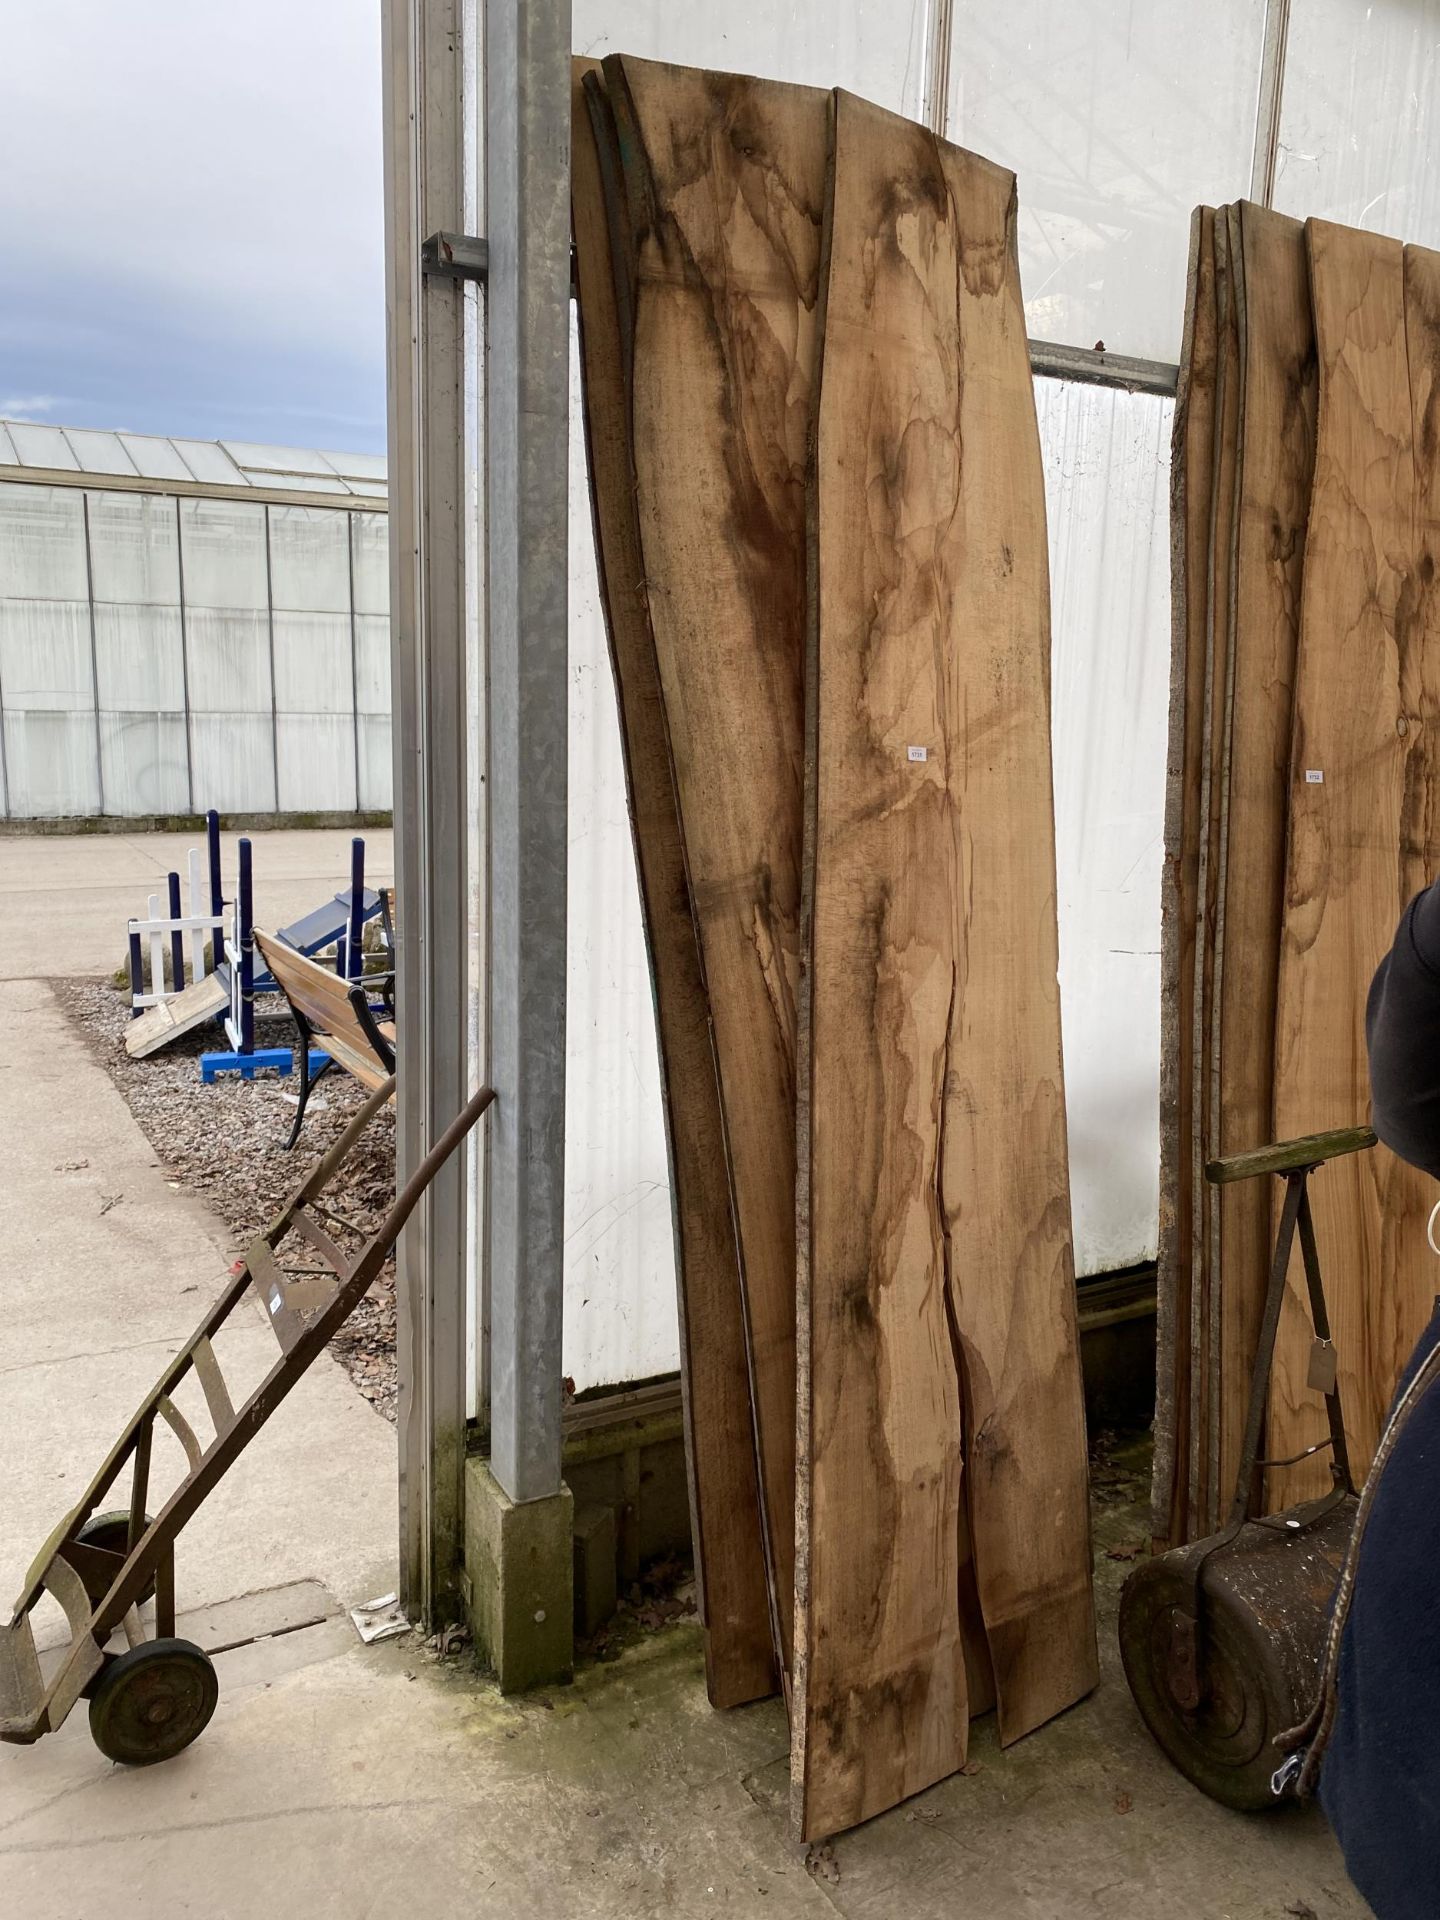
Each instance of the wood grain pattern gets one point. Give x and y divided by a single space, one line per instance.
1192 453
719 1434
935 1279
1362 839
724 178
1272 498
1205 1092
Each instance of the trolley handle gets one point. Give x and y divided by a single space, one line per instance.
1293 1161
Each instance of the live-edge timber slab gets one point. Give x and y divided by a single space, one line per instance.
724 178
1274 471
1363 819
1207 1092
1192 454
936 1291
720 1446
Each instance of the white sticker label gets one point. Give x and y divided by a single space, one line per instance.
1314 777
275 1302
917 753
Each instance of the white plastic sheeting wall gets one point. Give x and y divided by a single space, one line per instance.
1107 477
1106 458
879 51
163 655
1360 116
1118 118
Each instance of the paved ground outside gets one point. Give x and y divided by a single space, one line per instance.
338 1780
65 898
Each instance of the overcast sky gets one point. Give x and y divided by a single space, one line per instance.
191 218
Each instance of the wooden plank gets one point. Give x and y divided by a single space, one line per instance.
1209 941
202 1000
320 995
1290 1155
724 178
1192 449
936 1292
1362 808
714 1373
1274 468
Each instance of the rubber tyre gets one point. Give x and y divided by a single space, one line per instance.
111 1531
1225 1746
152 1701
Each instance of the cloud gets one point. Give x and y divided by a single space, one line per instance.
213 181
24 406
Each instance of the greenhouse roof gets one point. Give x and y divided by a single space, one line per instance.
234 466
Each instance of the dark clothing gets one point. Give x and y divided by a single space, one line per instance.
1380 1780
1402 1030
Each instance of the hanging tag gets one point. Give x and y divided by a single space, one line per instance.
1321 1376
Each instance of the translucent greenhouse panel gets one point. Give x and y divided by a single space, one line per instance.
247 454
209 462
42 539
98 452
315 762
1360 117
874 49
376 770
620 1320
41 446
370 555
154 457
372 663
45 658
144 762
310 559
134 548
1118 119
233 755
356 466
223 551
139 663
297 482
227 644
229 660
51 770
1107 489
314 666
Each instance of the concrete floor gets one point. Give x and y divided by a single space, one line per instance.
339 1780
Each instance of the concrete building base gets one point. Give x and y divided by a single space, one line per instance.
519 1577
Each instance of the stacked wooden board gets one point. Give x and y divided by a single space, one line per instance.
1302 817
820 517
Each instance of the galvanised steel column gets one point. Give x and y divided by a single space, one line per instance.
527 195
429 85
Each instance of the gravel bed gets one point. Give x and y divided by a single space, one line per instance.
226 1143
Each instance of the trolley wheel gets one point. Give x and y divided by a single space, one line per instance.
152 1701
111 1532
1224 1743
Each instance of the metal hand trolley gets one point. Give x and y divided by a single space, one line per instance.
150 1700
1221 1639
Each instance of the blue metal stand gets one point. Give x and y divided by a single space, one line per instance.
277 1059
247 1065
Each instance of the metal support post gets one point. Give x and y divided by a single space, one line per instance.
527 183
217 897
354 931
430 65
245 959
177 938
